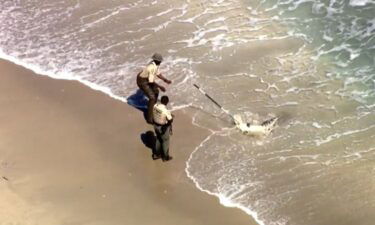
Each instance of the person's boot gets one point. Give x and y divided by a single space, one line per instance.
168 158
155 156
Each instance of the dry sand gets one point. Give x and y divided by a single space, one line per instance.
70 155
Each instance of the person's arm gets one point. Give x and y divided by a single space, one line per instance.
170 119
170 124
150 74
160 76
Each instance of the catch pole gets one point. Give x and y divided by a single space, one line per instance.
215 102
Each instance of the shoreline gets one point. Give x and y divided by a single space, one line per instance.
66 146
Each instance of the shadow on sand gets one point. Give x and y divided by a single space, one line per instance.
148 138
139 101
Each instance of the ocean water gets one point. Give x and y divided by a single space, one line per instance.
311 63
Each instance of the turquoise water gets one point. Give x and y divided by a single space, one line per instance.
341 35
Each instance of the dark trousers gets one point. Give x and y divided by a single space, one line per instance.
162 140
152 93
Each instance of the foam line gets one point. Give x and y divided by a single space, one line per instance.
225 201
67 76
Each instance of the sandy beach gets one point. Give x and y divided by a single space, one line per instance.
72 155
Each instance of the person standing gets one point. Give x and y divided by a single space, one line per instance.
146 82
163 128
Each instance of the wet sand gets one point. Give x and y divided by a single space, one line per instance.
72 155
